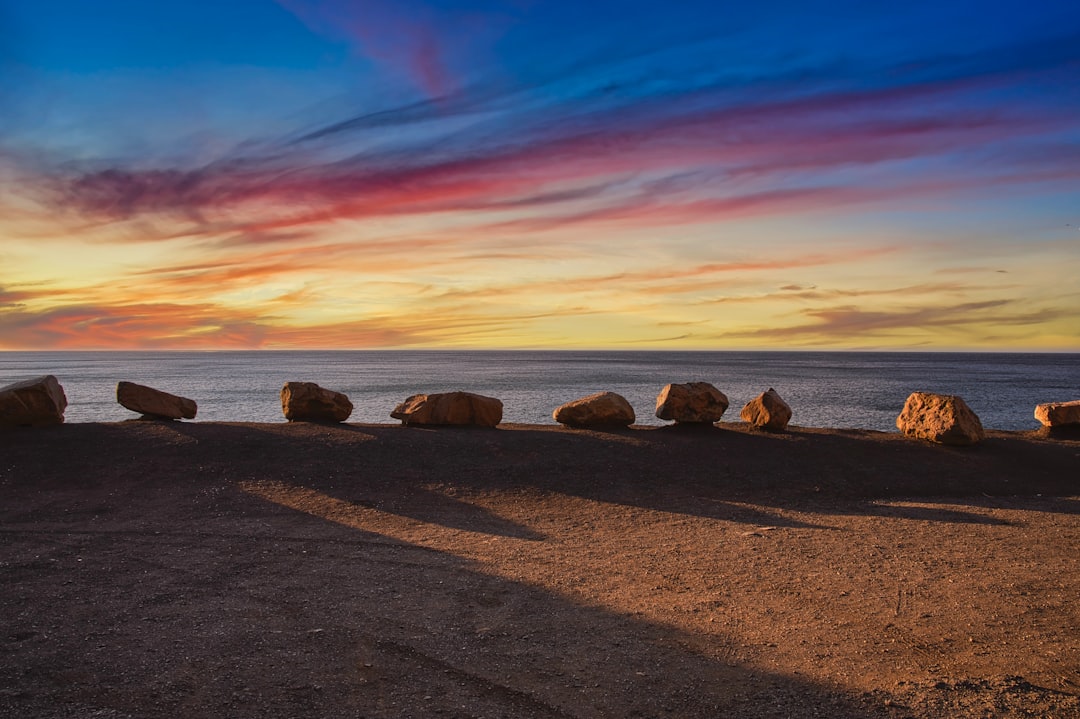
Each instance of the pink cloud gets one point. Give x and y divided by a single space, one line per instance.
414 39
120 326
692 166
164 325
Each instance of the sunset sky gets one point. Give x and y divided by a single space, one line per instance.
555 174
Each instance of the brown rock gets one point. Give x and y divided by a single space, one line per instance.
692 402
36 402
1058 414
153 402
603 409
767 411
308 402
942 418
450 408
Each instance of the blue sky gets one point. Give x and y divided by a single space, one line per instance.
352 174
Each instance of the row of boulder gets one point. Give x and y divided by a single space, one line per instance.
693 403
945 419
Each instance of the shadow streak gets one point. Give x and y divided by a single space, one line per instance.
308 617
208 600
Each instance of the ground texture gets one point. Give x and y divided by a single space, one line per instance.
163 569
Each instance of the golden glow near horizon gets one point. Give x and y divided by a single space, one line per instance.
432 287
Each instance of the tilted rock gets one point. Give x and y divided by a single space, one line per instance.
942 418
603 409
767 411
153 402
308 402
450 408
36 402
693 402
1058 414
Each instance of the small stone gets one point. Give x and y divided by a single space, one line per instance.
691 403
767 411
941 418
38 402
603 409
308 402
450 408
153 402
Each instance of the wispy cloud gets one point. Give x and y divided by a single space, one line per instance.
840 324
9 298
416 40
555 168
668 281
122 327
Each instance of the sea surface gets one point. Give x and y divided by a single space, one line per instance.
825 389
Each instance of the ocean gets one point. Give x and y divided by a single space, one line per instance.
825 389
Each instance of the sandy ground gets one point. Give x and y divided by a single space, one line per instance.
156 569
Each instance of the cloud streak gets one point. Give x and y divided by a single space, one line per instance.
416 40
840 324
210 326
490 167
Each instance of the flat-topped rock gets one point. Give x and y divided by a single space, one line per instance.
308 402
154 403
1058 414
461 409
691 403
941 418
37 402
603 409
767 411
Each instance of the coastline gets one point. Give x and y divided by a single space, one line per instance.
839 389
295 569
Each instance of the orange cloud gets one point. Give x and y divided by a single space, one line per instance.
146 326
640 282
838 325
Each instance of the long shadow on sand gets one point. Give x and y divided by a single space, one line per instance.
226 570
309 617
725 472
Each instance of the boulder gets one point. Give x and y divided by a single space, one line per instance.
36 402
767 411
694 402
1058 414
450 408
153 402
603 409
308 402
942 418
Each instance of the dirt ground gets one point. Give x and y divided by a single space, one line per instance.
166 569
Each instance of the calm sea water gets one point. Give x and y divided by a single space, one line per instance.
825 389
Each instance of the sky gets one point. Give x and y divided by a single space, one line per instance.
539 174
